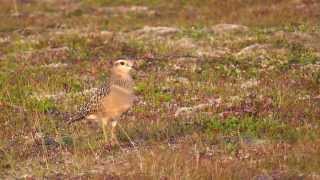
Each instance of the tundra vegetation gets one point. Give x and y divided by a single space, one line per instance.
226 89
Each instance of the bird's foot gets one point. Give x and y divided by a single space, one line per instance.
93 124
115 142
110 146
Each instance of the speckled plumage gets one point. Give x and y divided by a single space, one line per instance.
91 106
95 102
109 101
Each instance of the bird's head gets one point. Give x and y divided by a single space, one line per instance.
122 67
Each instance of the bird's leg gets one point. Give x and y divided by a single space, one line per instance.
104 129
93 121
113 134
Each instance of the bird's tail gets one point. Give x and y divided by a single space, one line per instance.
74 117
69 117
56 113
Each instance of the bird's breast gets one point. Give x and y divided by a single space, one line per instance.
119 100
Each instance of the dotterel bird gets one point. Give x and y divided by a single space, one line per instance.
110 101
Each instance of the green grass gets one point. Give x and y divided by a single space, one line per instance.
259 128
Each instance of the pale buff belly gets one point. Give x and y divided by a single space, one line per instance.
117 102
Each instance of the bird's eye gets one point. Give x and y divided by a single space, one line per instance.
121 63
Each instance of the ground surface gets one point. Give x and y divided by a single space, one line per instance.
216 100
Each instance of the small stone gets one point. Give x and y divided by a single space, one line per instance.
185 43
157 31
55 65
213 53
229 28
38 135
49 141
190 110
128 9
249 84
317 97
182 80
165 89
183 110
254 48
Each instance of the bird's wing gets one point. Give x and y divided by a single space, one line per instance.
91 106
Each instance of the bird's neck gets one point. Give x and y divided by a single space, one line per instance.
118 74
122 80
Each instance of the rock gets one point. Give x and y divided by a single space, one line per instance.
49 141
38 135
156 31
165 89
229 28
183 110
128 9
191 110
185 43
55 65
5 39
48 96
261 51
213 53
40 138
249 84
106 33
181 80
254 49
311 68
313 175
317 97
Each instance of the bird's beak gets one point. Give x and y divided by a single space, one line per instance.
134 65
133 69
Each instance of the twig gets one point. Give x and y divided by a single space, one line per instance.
132 143
15 7
19 108
125 132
